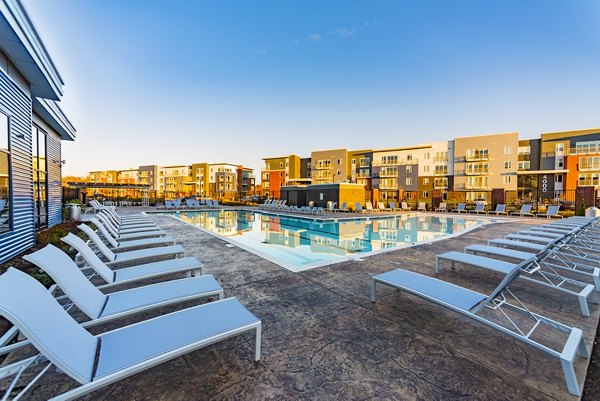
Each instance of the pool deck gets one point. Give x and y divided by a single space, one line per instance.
324 340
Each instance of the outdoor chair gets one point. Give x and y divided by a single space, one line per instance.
129 234
129 256
358 208
479 208
460 208
500 209
534 273
470 303
119 245
131 273
405 207
102 307
125 351
552 211
422 207
369 207
393 207
442 208
525 211
343 208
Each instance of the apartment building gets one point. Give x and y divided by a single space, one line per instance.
174 181
32 128
246 181
329 166
284 170
103 177
572 158
199 183
484 162
148 175
222 181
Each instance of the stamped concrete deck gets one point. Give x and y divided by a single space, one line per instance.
324 340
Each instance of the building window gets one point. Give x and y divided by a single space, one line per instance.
508 150
426 169
506 179
525 165
426 181
339 162
507 165
558 178
426 156
354 162
5 203
40 178
560 147
339 172
408 181
524 150
409 169
280 164
387 160
425 194
408 157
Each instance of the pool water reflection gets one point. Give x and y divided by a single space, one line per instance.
299 244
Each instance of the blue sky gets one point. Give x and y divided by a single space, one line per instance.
168 82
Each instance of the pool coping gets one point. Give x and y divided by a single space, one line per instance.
357 257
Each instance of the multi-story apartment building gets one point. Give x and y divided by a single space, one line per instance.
281 171
103 177
223 182
199 183
484 162
329 166
246 181
572 159
174 181
148 175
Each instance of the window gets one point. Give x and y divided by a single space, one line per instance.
426 156
409 169
408 157
507 165
40 178
426 169
506 179
524 150
5 204
426 181
425 194
386 160
339 162
560 147
558 178
354 162
280 164
508 150
339 172
525 165
409 181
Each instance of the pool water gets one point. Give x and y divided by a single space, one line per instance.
299 244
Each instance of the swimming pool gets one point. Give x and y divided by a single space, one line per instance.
299 244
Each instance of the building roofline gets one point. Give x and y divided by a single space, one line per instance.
490 134
54 116
26 50
282 157
573 130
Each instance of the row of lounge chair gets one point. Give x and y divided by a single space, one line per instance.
190 203
95 361
563 257
551 211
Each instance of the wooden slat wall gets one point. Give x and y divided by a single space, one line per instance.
54 184
18 106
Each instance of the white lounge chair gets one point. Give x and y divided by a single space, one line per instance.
460 208
123 257
124 351
535 274
137 243
369 207
102 307
470 303
500 209
129 235
422 207
131 273
525 211
442 208
123 231
405 207
127 224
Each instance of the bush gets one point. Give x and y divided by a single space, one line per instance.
581 209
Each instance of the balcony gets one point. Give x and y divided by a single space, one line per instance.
477 156
440 183
440 159
584 150
589 166
477 171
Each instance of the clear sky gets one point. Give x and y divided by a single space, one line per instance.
170 82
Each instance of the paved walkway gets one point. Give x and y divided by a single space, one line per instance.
324 340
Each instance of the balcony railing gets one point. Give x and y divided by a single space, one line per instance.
440 184
440 159
589 166
477 171
477 157
584 150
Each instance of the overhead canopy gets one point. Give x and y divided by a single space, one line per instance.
107 185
